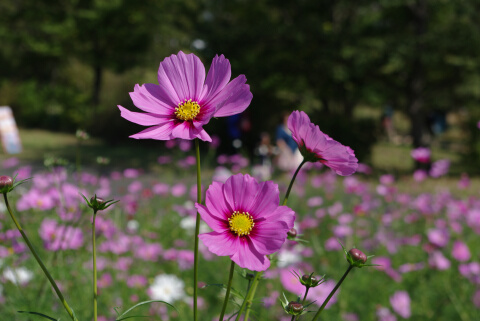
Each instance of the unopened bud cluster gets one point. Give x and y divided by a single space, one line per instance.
357 258
293 307
97 203
7 184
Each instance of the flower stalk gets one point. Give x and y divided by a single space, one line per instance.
253 288
39 261
227 295
350 267
197 230
94 250
287 194
249 298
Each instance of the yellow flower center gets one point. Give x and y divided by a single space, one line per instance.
187 110
241 223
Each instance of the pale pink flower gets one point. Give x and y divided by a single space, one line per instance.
460 251
184 101
421 154
400 302
315 146
247 221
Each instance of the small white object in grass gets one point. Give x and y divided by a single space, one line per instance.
133 225
286 257
168 288
20 275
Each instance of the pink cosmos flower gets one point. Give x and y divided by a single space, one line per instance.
316 146
438 261
421 154
247 221
440 168
460 251
400 302
384 314
184 101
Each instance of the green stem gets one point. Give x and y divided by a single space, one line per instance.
291 182
39 261
350 267
197 231
303 301
227 295
95 291
250 294
305 296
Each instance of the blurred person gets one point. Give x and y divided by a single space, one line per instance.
264 153
387 123
289 157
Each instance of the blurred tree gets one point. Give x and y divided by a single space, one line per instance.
429 50
34 37
313 55
330 56
112 34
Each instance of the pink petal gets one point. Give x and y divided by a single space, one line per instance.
282 214
269 238
154 99
299 125
239 191
248 257
217 78
183 74
186 130
142 118
217 224
216 203
266 200
233 99
220 244
160 132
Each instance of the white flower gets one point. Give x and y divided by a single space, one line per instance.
18 276
168 288
188 223
133 225
286 258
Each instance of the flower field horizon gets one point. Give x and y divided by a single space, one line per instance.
424 235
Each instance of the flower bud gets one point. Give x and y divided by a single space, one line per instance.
292 307
97 203
358 256
295 307
292 233
311 281
99 200
6 183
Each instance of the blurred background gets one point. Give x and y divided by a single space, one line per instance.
382 76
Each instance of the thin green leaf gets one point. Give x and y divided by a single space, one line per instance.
137 316
139 304
116 310
39 314
20 182
223 286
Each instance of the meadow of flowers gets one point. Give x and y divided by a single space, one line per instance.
175 237
426 243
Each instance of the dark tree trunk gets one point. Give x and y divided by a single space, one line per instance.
417 78
326 107
348 107
97 86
